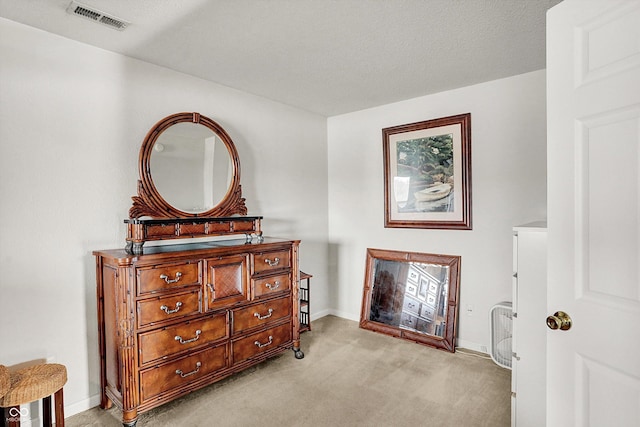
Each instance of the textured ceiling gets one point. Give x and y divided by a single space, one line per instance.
325 56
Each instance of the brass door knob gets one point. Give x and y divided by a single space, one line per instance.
559 320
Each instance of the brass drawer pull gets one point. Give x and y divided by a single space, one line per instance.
265 344
179 338
170 281
273 287
175 310
266 316
179 371
273 263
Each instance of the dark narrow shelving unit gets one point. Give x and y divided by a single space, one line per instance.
305 319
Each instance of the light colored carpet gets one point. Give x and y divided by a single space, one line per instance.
348 377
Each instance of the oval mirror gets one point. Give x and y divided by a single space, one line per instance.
189 167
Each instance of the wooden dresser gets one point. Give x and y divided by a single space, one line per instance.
180 317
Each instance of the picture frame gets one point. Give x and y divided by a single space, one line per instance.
427 174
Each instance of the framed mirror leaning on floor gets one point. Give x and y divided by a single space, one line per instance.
412 295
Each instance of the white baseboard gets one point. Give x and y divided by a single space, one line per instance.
344 315
81 406
472 346
320 314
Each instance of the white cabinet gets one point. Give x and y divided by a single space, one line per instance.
528 384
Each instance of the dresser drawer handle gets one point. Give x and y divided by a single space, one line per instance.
273 263
273 287
179 372
170 281
175 310
265 344
179 338
266 316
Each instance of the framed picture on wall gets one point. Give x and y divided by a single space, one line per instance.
427 174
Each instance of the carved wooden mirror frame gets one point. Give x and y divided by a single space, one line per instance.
164 221
404 303
150 203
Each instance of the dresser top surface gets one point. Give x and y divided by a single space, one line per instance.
267 242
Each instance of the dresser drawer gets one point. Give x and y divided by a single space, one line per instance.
167 277
411 306
172 375
275 260
271 285
163 308
260 342
165 342
261 314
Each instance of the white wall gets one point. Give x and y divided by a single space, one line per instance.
508 145
72 119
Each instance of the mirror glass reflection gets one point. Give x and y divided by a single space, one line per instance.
410 295
191 167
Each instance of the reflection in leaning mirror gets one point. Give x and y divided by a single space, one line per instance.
191 167
412 295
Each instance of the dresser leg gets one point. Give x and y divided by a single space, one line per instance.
129 418
298 353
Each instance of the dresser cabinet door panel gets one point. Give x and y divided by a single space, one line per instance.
162 378
160 230
271 285
260 342
168 307
246 226
166 342
167 277
191 229
226 281
271 261
261 314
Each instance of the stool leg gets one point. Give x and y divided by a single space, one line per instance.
46 411
11 416
59 402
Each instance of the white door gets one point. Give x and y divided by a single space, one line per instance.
593 151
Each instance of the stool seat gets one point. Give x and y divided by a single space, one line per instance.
34 383
5 382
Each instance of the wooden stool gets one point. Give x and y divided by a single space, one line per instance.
31 384
5 382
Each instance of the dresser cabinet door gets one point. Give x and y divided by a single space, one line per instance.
226 281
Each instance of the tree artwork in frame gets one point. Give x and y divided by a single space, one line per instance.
427 174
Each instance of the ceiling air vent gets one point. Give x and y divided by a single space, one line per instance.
95 15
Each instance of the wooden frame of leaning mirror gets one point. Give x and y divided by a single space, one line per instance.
413 296
155 215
